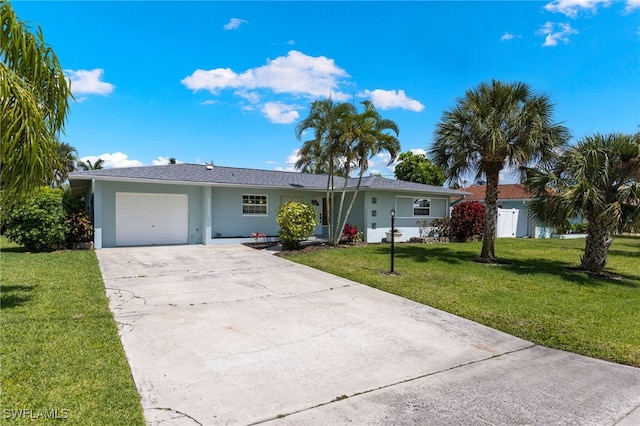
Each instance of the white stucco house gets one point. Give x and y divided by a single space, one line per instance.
201 204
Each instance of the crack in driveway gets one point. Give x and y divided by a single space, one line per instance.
390 385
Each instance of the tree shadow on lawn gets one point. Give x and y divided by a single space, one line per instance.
427 253
12 296
532 266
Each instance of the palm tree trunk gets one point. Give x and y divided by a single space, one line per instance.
598 242
330 201
492 171
353 199
338 230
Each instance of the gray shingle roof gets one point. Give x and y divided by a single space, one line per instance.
231 176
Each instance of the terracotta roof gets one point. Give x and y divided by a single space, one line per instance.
514 191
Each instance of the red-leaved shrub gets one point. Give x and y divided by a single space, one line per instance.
467 220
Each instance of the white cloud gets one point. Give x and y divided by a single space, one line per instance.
571 8
418 151
252 97
508 36
113 161
161 161
208 102
88 82
234 24
290 162
296 74
554 35
389 99
632 5
280 113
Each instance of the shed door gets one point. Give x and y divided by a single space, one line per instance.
146 219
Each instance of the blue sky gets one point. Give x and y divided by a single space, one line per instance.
228 81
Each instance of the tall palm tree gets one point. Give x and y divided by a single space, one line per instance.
65 162
324 149
311 160
33 107
88 165
365 135
495 126
597 179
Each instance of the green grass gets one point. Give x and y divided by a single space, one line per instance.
61 354
538 297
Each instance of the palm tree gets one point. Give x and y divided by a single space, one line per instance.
599 180
34 104
87 165
66 162
324 149
495 126
365 135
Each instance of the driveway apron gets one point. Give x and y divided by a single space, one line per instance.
232 335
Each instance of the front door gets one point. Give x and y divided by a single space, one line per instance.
321 216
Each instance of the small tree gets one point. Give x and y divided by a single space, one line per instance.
39 223
418 168
467 220
296 221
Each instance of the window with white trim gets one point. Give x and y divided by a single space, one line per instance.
421 207
254 204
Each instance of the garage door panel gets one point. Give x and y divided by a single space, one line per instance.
146 219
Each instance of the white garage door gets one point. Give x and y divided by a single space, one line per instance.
145 219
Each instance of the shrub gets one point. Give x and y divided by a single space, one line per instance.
296 221
38 224
351 233
467 220
423 225
442 227
79 227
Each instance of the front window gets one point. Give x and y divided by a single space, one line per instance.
254 204
421 207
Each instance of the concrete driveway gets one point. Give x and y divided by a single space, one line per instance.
232 335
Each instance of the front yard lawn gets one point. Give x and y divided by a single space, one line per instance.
61 356
538 297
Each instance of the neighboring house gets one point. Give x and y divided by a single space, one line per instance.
511 196
202 204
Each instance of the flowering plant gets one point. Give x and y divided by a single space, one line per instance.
351 233
258 236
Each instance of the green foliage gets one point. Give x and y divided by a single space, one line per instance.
467 220
47 220
496 125
33 107
39 223
418 168
66 159
598 179
344 141
88 165
296 221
